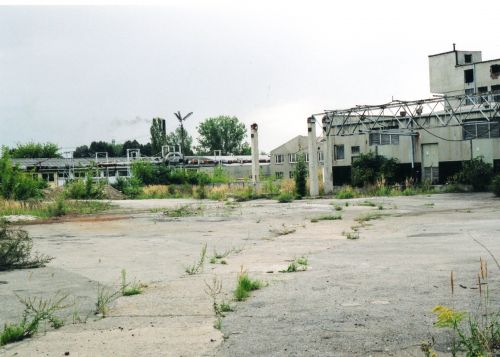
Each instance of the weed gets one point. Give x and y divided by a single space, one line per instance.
338 208
225 307
223 262
430 204
218 323
380 207
129 289
368 217
36 311
283 231
15 250
105 297
183 211
197 267
245 285
351 235
367 204
347 192
329 217
285 197
346 204
213 260
299 264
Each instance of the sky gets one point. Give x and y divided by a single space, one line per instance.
75 74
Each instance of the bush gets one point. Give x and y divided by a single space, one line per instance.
346 192
15 250
18 185
300 176
496 185
131 187
476 173
84 189
285 197
369 168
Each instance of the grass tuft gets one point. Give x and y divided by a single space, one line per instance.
245 285
197 267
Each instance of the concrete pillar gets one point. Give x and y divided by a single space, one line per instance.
328 162
254 137
313 157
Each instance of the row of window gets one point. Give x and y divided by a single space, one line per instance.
292 158
481 130
482 98
469 73
280 175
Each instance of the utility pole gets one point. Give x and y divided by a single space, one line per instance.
181 120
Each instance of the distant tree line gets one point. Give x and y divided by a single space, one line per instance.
224 133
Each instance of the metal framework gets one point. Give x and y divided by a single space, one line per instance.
403 117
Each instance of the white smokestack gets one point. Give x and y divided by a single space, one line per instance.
313 157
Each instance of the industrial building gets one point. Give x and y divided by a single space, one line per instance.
430 138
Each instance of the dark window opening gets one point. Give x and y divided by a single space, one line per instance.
355 150
481 90
468 99
468 58
481 130
496 89
469 75
495 71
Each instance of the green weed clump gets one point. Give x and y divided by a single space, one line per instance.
36 311
183 211
129 289
285 197
328 217
197 267
105 296
245 285
299 264
347 192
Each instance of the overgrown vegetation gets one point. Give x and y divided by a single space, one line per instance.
245 285
327 217
300 175
370 167
18 185
285 197
183 211
476 173
473 333
16 250
37 310
197 267
88 188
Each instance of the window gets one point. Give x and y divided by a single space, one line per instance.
496 89
481 130
290 174
383 139
495 71
338 152
468 99
481 90
468 58
321 156
279 158
469 76
355 150
292 158
278 174
48 177
306 157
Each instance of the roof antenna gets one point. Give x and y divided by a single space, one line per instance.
454 47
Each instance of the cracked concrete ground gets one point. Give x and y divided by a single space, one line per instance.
370 296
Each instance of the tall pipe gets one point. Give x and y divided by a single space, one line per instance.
327 158
254 137
313 157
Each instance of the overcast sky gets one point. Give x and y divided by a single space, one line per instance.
71 75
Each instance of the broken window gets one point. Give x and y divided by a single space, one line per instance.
339 152
469 76
468 58
495 71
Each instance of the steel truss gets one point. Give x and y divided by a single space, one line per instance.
403 117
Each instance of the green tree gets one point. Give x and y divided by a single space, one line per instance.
158 136
35 151
222 133
174 138
300 175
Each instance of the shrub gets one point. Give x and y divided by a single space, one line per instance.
370 167
300 175
18 185
84 189
130 187
477 173
285 197
15 250
346 192
496 185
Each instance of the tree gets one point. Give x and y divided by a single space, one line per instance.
222 133
81 151
300 175
175 138
158 135
35 151
183 133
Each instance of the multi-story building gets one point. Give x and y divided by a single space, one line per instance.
430 138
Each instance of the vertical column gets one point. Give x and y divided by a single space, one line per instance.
254 137
313 157
328 162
